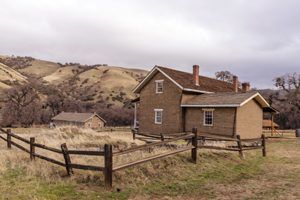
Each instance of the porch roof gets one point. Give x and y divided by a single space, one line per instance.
222 99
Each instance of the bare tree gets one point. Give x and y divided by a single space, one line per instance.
224 76
22 106
287 99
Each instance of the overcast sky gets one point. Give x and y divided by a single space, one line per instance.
256 40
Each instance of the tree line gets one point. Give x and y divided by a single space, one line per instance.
285 99
36 103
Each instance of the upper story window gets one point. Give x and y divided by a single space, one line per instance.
158 116
159 86
208 118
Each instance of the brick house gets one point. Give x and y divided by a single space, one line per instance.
172 101
84 120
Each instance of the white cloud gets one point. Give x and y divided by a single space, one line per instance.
256 40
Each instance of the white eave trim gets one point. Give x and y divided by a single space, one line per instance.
144 80
230 105
166 75
254 96
193 90
96 116
150 75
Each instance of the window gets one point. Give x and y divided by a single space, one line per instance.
159 86
158 116
208 118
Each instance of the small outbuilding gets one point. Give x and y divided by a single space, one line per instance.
84 120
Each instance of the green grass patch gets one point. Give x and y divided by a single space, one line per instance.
175 177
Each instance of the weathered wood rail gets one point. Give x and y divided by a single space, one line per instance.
109 168
241 144
108 153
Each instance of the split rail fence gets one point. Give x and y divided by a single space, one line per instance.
241 144
195 142
107 153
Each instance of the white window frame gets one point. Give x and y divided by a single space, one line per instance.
157 82
204 117
155 116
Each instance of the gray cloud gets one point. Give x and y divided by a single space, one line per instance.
257 40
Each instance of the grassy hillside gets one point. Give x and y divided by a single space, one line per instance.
111 85
40 68
9 76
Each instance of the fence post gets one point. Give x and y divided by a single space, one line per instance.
195 144
162 137
133 134
263 143
108 165
32 148
8 138
239 143
67 158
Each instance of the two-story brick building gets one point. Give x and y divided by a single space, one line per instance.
172 101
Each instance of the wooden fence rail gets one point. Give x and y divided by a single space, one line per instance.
240 147
108 169
108 154
64 151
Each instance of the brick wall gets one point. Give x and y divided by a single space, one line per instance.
94 123
249 120
169 101
223 121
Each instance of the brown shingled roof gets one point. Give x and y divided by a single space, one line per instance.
222 99
206 84
74 117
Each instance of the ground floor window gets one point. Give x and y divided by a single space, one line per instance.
158 116
208 118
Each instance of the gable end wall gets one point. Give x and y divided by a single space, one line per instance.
169 101
249 120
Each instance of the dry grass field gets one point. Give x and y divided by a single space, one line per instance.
217 175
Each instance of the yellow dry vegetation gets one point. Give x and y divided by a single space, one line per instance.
110 79
61 74
7 73
217 174
111 85
40 68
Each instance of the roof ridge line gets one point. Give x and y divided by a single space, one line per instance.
192 74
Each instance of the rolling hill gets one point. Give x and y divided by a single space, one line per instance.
9 76
97 83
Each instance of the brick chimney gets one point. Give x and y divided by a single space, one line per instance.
235 82
196 74
246 87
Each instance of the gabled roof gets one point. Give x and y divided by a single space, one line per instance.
222 99
75 117
184 81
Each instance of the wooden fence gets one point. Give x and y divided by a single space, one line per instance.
195 141
108 153
241 144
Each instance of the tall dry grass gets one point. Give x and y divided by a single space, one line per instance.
75 138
